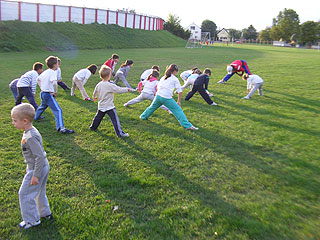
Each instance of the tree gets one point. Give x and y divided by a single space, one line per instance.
209 26
285 25
250 33
234 34
173 26
308 32
265 35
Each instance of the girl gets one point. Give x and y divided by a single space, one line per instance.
254 82
123 72
190 80
149 90
166 87
80 78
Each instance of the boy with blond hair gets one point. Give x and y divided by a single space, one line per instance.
32 193
104 91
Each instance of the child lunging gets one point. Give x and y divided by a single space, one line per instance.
123 72
60 83
166 87
32 193
104 91
149 90
254 82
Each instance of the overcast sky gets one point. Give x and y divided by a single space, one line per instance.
226 14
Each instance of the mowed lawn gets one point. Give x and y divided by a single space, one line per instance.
252 171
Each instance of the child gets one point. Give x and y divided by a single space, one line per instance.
164 97
27 85
48 85
112 62
201 85
32 193
80 78
239 67
105 92
123 72
60 83
13 87
184 75
149 90
254 82
147 72
190 80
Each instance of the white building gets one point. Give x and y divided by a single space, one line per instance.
195 31
223 35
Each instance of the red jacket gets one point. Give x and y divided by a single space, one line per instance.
110 63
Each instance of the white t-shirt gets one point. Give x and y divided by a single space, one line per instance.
58 73
167 86
146 74
149 87
83 75
29 79
184 75
192 78
46 80
252 80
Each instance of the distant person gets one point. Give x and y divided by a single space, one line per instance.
60 83
32 193
254 83
104 91
13 88
80 78
166 86
239 67
27 85
147 72
122 73
48 85
201 86
112 62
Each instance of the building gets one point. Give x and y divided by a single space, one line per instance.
195 31
223 35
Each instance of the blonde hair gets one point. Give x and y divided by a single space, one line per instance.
24 111
104 72
245 76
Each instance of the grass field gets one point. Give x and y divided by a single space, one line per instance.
252 171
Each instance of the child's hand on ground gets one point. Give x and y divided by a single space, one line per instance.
131 90
34 180
95 99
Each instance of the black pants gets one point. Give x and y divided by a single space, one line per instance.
201 91
27 92
63 85
113 117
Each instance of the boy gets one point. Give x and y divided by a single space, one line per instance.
60 83
27 85
239 67
105 92
203 79
32 193
111 62
48 85
254 82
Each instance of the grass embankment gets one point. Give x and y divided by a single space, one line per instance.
252 171
22 36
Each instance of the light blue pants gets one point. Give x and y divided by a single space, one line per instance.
171 105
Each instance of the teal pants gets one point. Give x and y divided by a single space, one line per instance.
171 105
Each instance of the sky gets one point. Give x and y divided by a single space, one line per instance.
235 14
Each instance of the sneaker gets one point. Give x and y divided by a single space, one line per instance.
40 118
221 81
48 217
210 95
169 111
213 104
193 128
125 135
66 131
88 99
26 225
125 105
246 97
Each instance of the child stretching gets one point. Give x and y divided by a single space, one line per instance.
13 88
166 87
48 85
104 91
147 72
112 62
123 72
80 78
149 90
32 193
190 80
201 85
254 82
60 83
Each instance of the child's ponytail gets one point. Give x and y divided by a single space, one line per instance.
154 74
127 63
170 70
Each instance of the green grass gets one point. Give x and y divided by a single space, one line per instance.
22 36
252 170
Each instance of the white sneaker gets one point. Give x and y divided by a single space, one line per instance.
193 128
246 97
210 95
169 112
125 105
214 104
221 81
26 225
125 135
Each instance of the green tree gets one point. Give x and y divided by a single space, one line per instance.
173 25
308 32
265 35
209 26
285 25
234 34
250 33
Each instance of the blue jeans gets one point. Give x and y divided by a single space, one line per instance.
171 105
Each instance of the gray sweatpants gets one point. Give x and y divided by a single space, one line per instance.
255 87
144 96
122 78
32 198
